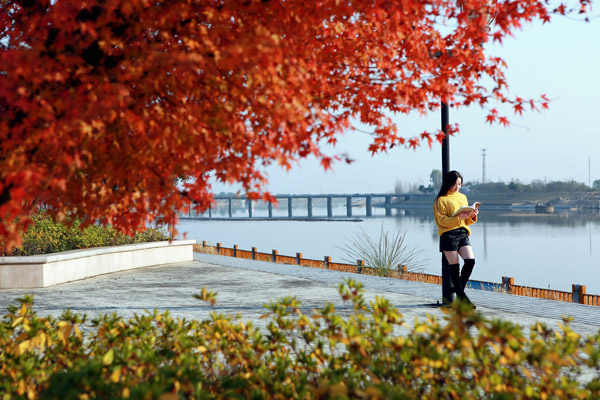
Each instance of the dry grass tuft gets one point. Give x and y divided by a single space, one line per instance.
200 248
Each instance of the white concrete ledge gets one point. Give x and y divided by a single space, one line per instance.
52 269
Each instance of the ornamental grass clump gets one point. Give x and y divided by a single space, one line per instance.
386 254
369 354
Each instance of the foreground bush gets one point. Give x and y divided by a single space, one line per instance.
45 236
369 353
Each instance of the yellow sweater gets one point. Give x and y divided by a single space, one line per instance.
445 206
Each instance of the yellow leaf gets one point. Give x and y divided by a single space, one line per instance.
201 349
21 389
422 329
24 346
116 375
108 357
572 335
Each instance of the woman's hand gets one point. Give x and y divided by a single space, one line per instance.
467 214
464 215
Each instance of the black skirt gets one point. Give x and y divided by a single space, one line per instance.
454 239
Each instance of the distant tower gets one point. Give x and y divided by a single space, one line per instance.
483 166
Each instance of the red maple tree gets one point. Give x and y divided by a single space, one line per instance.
119 111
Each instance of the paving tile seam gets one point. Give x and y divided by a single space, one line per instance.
496 301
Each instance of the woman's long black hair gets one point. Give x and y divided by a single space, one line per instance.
449 180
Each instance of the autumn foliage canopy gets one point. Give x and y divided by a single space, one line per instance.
120 111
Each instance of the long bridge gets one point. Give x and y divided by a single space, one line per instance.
371 200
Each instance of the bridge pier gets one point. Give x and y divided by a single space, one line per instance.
369 201
229 207
349 206
329 207
249 205
309 206
290 214
270 207
388 209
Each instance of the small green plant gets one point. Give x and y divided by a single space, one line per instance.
46 236
386 254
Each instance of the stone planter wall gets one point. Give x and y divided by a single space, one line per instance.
52 269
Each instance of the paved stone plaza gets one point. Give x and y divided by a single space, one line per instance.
244 286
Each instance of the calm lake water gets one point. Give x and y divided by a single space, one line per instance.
545 251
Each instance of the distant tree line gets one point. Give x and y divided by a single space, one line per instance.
514 186
536 186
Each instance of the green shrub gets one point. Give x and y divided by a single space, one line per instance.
46 236
370 353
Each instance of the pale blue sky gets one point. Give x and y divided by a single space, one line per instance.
560 59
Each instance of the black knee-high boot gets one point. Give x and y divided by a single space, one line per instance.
455 276
466 272
447 288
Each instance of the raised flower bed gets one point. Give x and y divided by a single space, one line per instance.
52 269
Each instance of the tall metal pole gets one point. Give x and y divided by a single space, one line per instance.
446 141
447 287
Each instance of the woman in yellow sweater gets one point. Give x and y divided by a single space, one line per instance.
454 233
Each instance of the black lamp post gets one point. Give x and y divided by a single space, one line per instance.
446 140
447 287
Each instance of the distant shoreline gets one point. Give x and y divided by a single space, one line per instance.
308 219
558 199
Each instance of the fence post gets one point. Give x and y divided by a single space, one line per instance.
578 293
359 266
274 255
298 258
326 261
402 269
507 283
254 253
